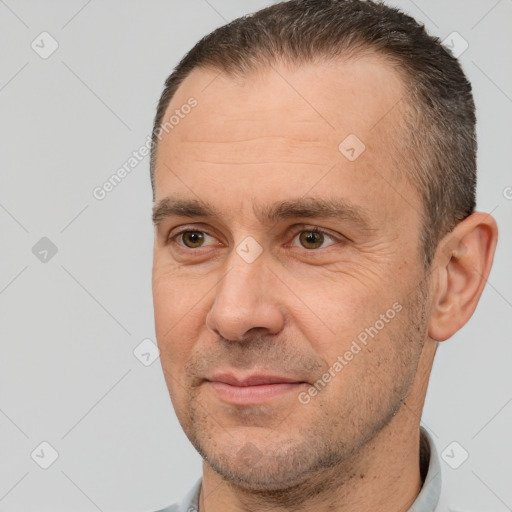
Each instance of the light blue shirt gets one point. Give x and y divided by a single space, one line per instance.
427 500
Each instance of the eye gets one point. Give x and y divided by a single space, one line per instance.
314 239
192 238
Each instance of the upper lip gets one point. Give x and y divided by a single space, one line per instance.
250 380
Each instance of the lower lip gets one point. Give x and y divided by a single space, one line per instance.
253 394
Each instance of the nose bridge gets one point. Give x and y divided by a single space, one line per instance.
246 262
242 287
243 300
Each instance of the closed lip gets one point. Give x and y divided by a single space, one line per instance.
251 380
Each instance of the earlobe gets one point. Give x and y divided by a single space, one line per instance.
462 265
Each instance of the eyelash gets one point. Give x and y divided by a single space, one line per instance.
313 229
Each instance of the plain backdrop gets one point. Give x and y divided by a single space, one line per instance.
75 272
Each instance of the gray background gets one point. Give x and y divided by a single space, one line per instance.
69 326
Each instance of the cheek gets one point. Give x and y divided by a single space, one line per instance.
173 297
332 312
180 311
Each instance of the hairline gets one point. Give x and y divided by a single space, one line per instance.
355 51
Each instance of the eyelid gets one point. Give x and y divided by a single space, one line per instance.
296 230
337 238
172 237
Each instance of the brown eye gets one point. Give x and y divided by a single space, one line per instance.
311 239
192 239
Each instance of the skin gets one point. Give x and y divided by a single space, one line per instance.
261 139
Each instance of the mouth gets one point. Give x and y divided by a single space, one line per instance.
252 389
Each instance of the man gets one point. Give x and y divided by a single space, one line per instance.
313 171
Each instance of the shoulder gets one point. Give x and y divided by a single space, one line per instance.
170 508
189 502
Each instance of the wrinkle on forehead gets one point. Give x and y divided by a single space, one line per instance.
359 96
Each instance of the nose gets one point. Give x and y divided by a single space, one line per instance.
245 300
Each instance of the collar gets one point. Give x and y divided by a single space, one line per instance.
431 490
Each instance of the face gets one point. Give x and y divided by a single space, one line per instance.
287 279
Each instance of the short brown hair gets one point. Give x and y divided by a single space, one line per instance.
441 140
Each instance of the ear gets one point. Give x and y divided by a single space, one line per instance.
461 266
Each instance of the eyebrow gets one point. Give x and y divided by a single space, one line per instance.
175 207
337 208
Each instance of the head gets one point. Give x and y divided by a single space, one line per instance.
330 148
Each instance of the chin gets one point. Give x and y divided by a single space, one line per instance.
259 479
263 466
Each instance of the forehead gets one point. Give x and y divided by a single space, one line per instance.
289 125
340 95
335 91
